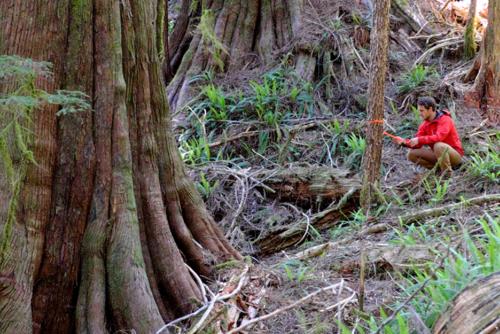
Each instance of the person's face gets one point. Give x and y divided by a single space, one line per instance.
427 114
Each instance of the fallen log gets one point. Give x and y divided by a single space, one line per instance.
475 310
286 236
308 186
312 184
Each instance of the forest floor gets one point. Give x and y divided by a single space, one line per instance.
245 129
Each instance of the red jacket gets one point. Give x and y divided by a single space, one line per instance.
440 129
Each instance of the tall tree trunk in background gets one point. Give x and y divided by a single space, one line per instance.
470 32
234 34
107 218
378 67
485 93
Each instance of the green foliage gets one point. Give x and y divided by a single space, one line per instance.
17 105
24 97
416 77
205 187
217 107
295 271
436 189
345 144
400 325
479 258
485 166
414 234
353 223
410 124
195 151
268 105
355 148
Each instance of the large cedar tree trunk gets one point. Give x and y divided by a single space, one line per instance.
107 220
485 93
378 68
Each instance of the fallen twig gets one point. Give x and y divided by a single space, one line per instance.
218 298
443 43
208 307
283 309
434 212
293 129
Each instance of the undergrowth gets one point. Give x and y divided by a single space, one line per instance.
435 285
269 106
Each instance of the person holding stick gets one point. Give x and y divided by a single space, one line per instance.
436 141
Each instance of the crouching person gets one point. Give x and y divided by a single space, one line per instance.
437 139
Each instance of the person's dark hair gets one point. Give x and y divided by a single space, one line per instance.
427 102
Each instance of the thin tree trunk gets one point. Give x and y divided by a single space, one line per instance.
378 68
469 37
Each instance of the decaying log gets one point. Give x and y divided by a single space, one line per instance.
312 184
475 310
286 236
305 186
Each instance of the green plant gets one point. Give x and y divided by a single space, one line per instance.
205 187
410 124
416 77
414 234
400 325
485 166
355 148
443 281
295 271
478 259
194 151
218 110
353 223
436 188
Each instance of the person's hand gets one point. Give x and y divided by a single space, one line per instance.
413 142
398 140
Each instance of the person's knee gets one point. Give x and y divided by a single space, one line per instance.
412 156
439 148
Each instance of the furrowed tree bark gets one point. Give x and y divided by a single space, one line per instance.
374 134
485 93
20 261
108 219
